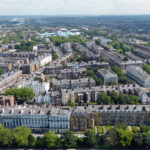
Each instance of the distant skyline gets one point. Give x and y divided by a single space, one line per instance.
74 7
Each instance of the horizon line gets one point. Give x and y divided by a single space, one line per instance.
82 15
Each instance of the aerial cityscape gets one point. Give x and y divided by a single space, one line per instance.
75 80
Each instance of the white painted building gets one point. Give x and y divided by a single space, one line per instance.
43 98
45 59
38 119
36 86
138 75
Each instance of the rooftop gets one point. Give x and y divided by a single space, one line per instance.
32 110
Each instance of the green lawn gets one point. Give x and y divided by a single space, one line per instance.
107 127
100 130
79 132
92 103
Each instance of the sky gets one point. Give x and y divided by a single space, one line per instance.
74 7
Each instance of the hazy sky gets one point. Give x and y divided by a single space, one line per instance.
74 7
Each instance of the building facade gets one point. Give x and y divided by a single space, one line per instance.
7 100
83 118
57 85
38 119
8 79
43 98
138 75
108 76
91 94
36 86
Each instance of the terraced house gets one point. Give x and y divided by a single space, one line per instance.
83 118
38 119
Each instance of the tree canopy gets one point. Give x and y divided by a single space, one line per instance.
146 68
90 138
25 45
104 99
122 77
118 136
2 71
50 139
59 40
68 139
21 94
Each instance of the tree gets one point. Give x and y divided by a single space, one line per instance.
63 64
40 142
81 58
125 58
21 136
114 97
72 103
146 139
97 42
50 139
79 141
6 137
38 79
138 139
5 41
122 77
119 45
98 81
146 68
123 99
125 137
103 98
31 141
144 128
125 48
99 140
103 60
111 138
25 45
54 56
121 126
90 73
68 139
59 40
90 139
74 59
21 94
117 70
116 45
2 71
133 99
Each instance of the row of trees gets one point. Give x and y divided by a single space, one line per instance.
25 45
78 58
122 78
114 98
18 137
119 137
122 47
59 40
92 73
93 33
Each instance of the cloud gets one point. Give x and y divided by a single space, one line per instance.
73 7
